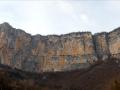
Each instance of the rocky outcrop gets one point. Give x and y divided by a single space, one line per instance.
101 45
55 53
114 43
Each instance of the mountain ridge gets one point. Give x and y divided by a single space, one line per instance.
37 53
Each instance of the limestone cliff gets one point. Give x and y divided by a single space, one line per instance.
55 52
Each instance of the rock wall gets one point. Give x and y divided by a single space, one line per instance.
101 45
55 53
114 43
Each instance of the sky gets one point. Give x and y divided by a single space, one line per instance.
61 16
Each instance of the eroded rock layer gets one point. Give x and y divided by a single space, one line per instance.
55 53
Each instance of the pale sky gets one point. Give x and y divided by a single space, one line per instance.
61 16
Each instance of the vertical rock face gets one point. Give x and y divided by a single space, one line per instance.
101 45
114 43
55 53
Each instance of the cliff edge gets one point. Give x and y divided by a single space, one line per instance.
38 53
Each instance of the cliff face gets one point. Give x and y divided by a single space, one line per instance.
55 53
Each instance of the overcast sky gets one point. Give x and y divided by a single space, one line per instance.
61 16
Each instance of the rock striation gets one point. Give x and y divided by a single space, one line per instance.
55 52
